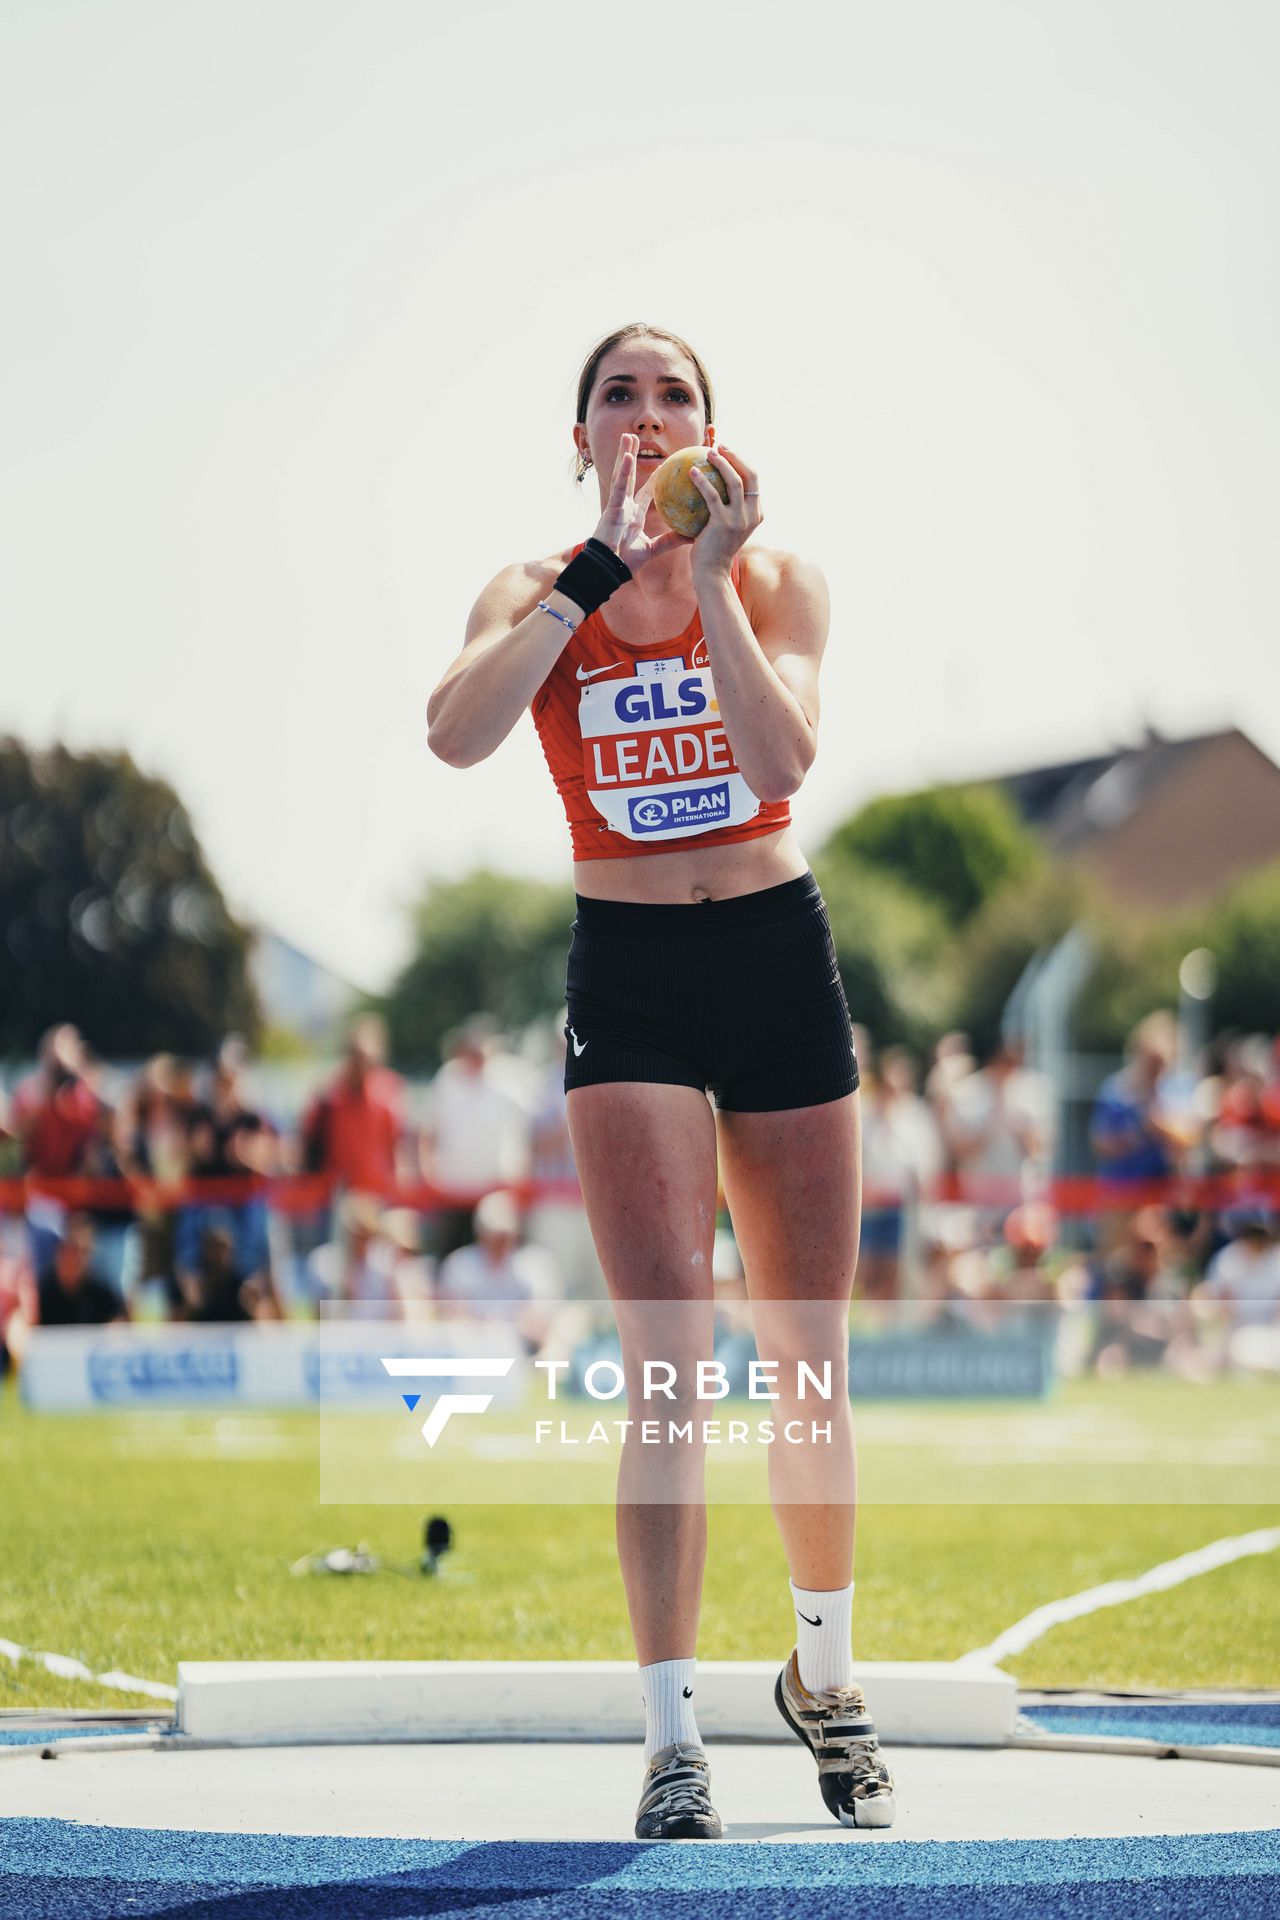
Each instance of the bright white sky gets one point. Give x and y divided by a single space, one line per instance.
296 296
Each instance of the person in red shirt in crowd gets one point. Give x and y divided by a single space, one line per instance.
352 1129
53 1116
1246 1129
352 1133
55 1109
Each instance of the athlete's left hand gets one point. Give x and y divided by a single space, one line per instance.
732 523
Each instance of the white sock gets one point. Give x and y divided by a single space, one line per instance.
824 1644
666 1687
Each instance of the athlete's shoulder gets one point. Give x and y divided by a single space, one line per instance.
776 580
513 592
553 564
769 567
539 576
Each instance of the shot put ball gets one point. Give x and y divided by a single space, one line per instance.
675 495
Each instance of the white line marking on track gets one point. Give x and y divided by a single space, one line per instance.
1170 1573
69 1669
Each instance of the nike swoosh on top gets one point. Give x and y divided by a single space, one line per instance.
817 1622
688 1693
590 673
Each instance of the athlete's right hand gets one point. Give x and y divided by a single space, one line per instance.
621 527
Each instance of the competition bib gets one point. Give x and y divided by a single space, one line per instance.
655 755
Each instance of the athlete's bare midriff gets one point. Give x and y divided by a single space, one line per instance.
685 873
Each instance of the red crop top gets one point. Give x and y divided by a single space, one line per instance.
637 748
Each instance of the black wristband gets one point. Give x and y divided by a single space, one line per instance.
592 575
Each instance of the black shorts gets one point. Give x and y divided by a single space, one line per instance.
742 996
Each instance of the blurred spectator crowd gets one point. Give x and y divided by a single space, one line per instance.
958 1213
486 1134
1173 1280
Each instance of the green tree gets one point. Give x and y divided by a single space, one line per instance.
956 846
1134 967
1242 931
1135 970
492 943
991 953
111 918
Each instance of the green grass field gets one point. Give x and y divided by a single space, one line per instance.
134 1540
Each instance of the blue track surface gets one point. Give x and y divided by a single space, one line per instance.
56 1868
37 1736
1182 1723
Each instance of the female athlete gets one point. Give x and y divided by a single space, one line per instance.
677 721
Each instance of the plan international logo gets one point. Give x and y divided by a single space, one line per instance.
697 807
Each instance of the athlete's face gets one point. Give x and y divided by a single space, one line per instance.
648 388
